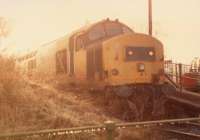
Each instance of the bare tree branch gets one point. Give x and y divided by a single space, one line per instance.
4 27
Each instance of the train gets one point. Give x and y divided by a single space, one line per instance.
106 55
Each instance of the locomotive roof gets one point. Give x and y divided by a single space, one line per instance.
88 27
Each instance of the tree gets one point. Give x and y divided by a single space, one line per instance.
4 28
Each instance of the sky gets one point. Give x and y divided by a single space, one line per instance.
176 23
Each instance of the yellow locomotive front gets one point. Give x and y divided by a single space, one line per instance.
132 59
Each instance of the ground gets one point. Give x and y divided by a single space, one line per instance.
43 106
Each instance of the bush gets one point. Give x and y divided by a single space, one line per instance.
9 77
11 102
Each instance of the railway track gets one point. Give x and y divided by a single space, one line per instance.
183 131
108 130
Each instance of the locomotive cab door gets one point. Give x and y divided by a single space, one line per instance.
94 63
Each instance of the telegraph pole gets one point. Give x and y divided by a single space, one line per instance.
150 16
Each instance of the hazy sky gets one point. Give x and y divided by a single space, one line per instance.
176 22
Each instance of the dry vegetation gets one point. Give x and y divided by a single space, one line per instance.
30 106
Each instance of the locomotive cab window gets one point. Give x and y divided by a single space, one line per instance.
96 33
140 54
113 29
126 30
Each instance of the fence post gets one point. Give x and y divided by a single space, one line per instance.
176 73
180 77
110 129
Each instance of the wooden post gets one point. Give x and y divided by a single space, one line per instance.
110 129
176 73
180 77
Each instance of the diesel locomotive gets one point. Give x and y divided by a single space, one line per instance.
104 55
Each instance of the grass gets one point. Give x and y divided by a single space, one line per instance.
25 106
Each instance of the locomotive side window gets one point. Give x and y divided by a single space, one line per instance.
140 54
113 29
96 33
61 62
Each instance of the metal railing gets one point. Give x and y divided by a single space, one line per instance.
175 72
105 131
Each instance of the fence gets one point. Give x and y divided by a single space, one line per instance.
177 72
99 132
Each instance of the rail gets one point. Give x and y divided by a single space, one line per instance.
187 130
107 129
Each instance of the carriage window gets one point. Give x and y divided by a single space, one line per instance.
96 33
140 54
113 29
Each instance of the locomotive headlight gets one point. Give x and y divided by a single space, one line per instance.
141 67
151 53
130 52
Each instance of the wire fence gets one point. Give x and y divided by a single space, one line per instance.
105 131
